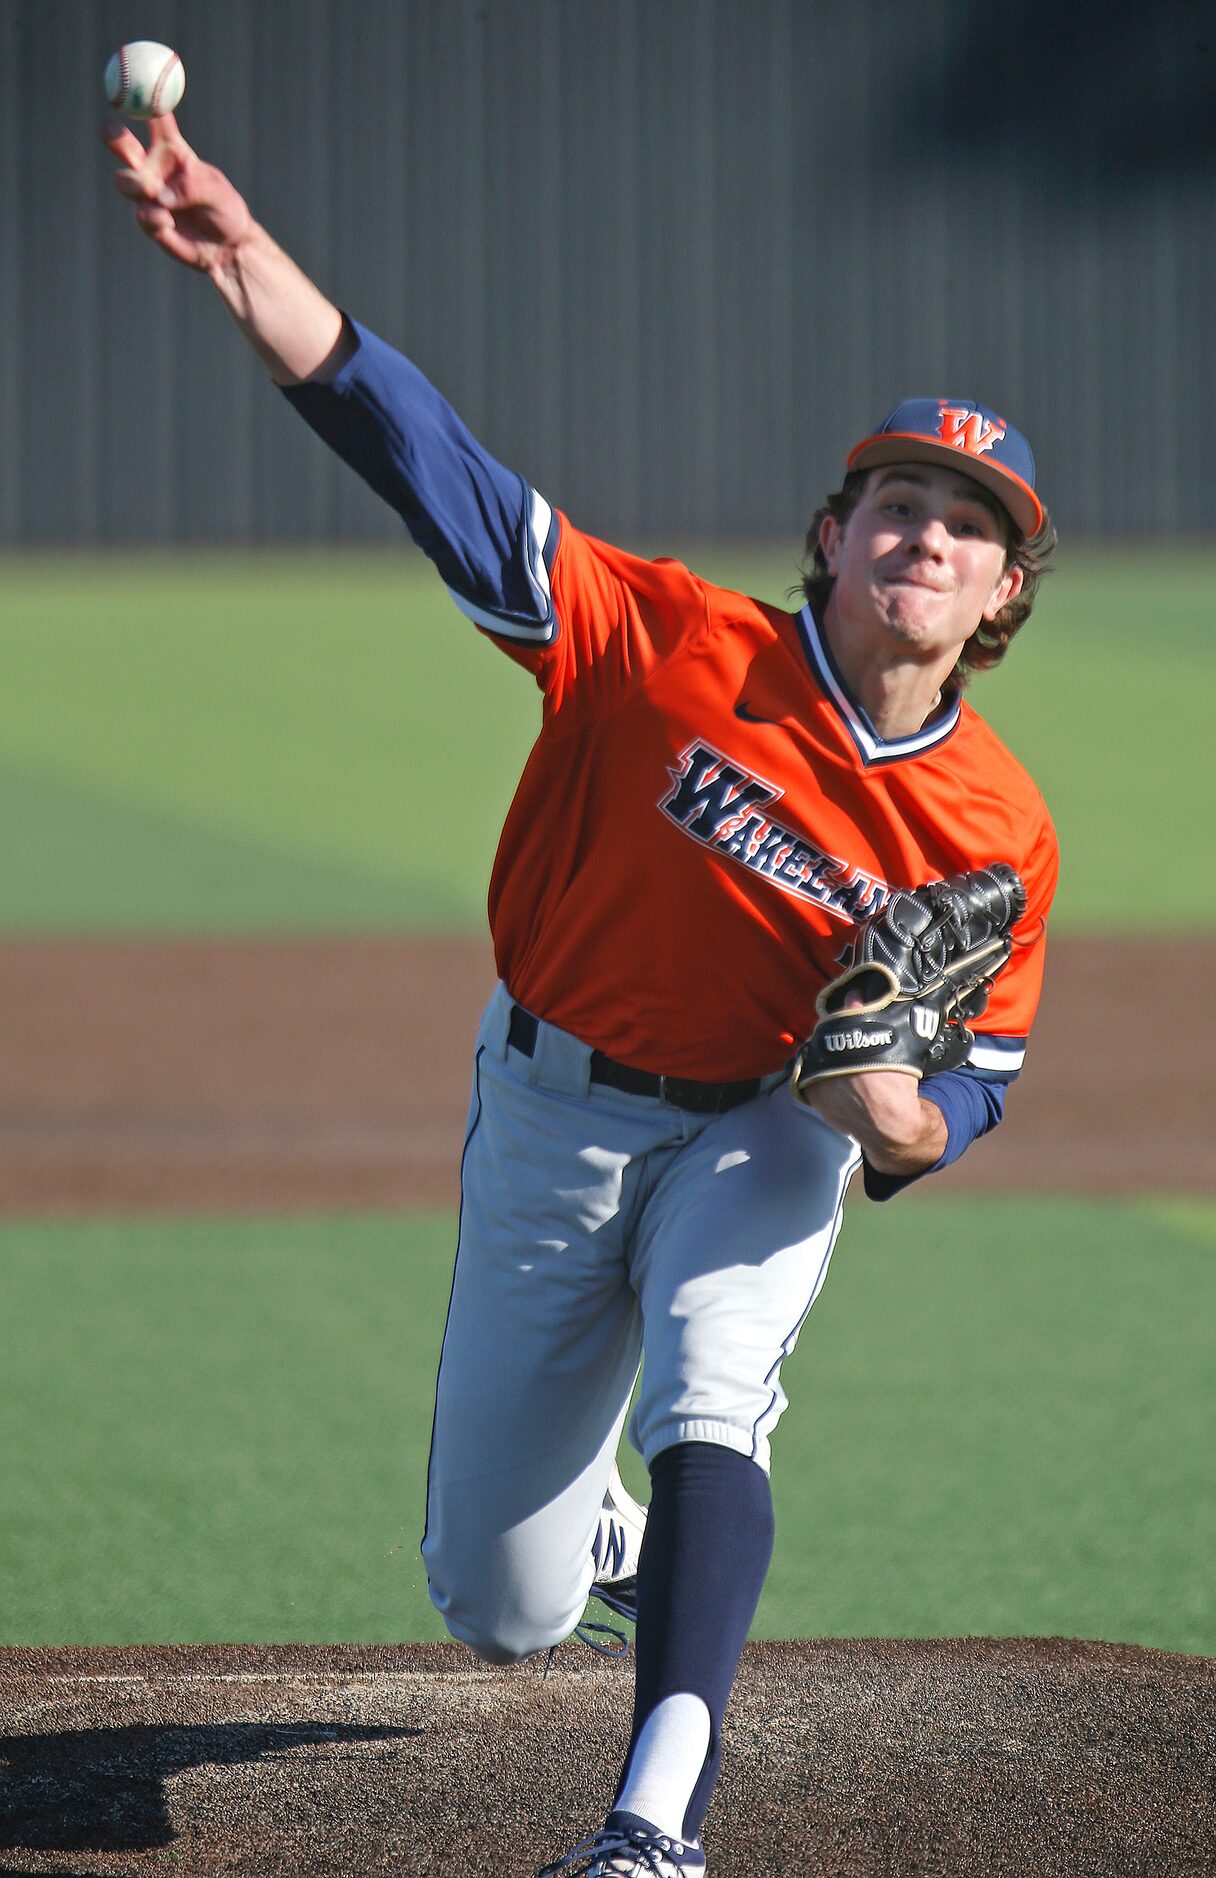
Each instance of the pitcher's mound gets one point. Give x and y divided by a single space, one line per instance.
1030 1758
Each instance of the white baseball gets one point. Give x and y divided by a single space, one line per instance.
144 79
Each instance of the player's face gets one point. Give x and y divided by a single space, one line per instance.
920 562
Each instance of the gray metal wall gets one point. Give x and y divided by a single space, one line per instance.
669 257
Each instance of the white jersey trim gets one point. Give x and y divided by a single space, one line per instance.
533 630
540 521
873 748
1004 1054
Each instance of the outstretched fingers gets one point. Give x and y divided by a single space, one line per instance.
164 131
146 170
121 140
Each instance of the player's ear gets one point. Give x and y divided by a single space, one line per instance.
1007 588
829 542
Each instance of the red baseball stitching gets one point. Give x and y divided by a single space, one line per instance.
159 87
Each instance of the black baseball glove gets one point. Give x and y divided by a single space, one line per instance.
920 969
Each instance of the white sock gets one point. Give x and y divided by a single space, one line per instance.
666 1763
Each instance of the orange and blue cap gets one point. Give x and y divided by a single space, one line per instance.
964 436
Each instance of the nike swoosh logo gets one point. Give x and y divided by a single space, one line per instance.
752 717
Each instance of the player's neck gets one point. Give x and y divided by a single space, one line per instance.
898 690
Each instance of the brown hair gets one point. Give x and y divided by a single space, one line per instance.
989 642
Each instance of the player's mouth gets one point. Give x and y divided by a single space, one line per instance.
909 580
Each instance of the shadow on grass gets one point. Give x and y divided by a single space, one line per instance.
103 1789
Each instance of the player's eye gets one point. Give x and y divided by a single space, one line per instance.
980 530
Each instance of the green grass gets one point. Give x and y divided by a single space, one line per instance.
217 1429
315 742
224 744
1002 1421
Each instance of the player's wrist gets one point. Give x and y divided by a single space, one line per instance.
235 263
897 1130
296 331
908 1142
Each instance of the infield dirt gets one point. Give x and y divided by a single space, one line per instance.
247 1075
972 1759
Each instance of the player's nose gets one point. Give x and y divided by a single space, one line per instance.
928 535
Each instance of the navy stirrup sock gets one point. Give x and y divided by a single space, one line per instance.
709 1539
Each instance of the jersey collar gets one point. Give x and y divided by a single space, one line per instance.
870 746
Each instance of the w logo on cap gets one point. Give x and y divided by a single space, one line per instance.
969 430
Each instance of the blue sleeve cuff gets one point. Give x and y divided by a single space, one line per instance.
972 1104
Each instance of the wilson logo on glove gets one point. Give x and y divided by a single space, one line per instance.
858 1039
920 968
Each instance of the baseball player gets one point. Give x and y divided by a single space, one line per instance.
727 807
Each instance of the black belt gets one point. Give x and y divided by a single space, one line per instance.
703 1098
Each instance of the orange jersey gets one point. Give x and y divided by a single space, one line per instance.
706 816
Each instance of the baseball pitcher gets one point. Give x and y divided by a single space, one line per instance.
768 912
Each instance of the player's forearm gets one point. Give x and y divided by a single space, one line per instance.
898 1131
296 332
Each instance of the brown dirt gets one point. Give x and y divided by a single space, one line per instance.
318 1074
977 1759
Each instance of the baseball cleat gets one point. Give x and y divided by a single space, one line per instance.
618 1541
627 1846
621 1598
614 1553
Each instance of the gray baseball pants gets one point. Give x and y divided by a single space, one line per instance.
600 1231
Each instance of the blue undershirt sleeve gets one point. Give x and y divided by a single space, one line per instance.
972 1104
490 535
